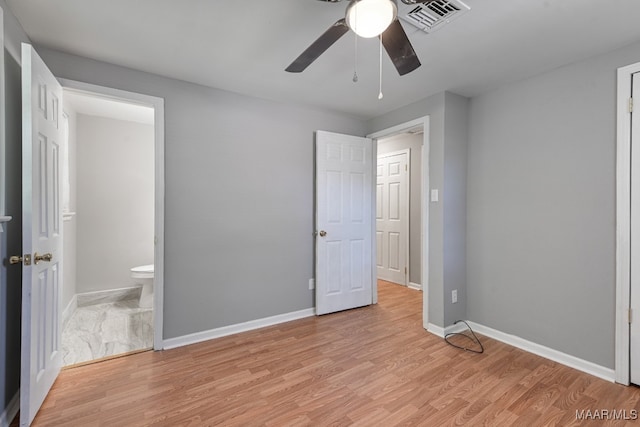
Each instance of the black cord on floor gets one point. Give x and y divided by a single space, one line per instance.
474 339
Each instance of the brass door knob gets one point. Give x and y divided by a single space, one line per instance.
322 233
46 257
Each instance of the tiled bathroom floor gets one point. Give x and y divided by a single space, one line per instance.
107 329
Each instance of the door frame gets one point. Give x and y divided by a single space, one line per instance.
406 151
159 147
424 273
623 223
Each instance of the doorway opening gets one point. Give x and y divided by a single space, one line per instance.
401 209
110 194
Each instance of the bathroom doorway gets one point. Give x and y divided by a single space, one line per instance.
110 204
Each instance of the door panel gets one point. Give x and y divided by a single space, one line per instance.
343 215
42 233
392 217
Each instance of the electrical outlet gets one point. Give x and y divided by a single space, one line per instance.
454 296
312 283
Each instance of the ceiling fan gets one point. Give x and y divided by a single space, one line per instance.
367 18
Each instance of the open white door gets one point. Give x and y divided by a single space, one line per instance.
634 338
344 186
392 217
42 233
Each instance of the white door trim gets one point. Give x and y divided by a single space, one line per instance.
403 127
158 123
406 151
623 222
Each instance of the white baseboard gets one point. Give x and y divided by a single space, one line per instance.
416 286
531 347
237 328
11 410
108 295
436 330
441 332
546 352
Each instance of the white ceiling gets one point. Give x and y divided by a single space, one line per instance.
244 46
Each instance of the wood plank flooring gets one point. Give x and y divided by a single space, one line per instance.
374 366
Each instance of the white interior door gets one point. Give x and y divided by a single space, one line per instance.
344 185
42 233
392 217
634 338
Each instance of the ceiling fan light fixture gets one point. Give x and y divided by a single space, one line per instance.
369 18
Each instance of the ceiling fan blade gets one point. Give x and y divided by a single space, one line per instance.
318 47
399 48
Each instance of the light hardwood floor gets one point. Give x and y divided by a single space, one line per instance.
374 366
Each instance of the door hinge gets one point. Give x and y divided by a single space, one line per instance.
631 105
406 168
629 315
405 271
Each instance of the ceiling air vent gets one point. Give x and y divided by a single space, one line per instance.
432 16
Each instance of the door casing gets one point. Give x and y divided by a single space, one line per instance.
634 284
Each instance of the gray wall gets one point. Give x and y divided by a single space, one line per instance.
11 276
239 196
115 201
414 143
541 207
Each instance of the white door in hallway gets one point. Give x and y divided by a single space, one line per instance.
635 236
41 357
392 217
344 187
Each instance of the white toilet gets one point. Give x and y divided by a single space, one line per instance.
144 275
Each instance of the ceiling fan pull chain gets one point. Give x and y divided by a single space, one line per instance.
380 95
355 61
